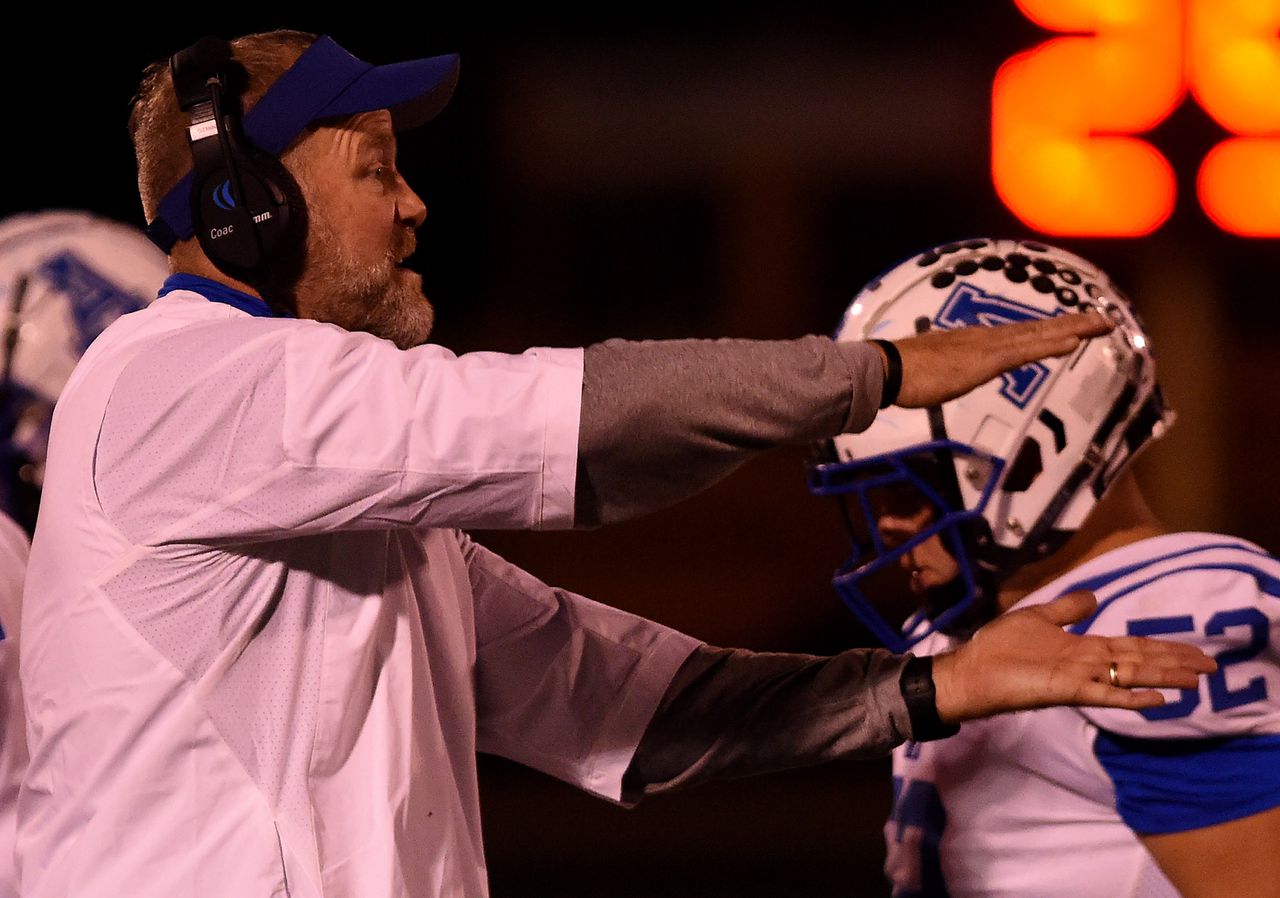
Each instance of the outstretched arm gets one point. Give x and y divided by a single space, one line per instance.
662 420
731 713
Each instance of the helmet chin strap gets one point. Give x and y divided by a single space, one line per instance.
969 535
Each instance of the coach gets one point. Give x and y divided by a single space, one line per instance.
259 653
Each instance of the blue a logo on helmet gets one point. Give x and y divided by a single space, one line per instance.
967 306
95 299
223 198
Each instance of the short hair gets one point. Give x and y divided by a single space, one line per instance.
159 128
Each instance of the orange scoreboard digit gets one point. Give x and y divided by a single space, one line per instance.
1066 116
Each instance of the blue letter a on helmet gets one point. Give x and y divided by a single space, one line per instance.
967 306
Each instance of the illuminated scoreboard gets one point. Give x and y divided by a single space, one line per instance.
1066 152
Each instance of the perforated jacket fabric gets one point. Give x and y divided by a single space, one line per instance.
260 655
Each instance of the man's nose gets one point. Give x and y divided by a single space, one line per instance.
410 208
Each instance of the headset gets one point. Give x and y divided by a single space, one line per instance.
248 211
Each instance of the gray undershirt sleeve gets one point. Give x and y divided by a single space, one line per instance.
663 420
731 713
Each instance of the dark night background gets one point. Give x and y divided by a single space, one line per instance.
694 171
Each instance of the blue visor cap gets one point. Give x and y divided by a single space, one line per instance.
325 82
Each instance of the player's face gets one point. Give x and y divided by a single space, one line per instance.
901 517
361 221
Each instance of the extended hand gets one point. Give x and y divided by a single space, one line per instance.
942 365
1024 659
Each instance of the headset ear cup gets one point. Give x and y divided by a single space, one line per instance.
249 237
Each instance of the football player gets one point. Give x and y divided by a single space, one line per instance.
1009 497
64 276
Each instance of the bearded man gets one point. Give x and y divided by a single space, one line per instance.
260 654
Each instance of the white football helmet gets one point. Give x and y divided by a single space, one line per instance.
64 276
1010 470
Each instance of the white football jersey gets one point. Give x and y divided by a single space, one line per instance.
13 737
1047 803
258 658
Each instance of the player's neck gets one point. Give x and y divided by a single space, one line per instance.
1121 518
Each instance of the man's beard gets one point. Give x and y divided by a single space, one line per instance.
381 299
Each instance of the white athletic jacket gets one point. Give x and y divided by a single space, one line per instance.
259 657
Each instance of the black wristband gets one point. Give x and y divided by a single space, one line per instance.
893 374
922 706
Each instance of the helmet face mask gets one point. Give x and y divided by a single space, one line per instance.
1016 465
908 486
